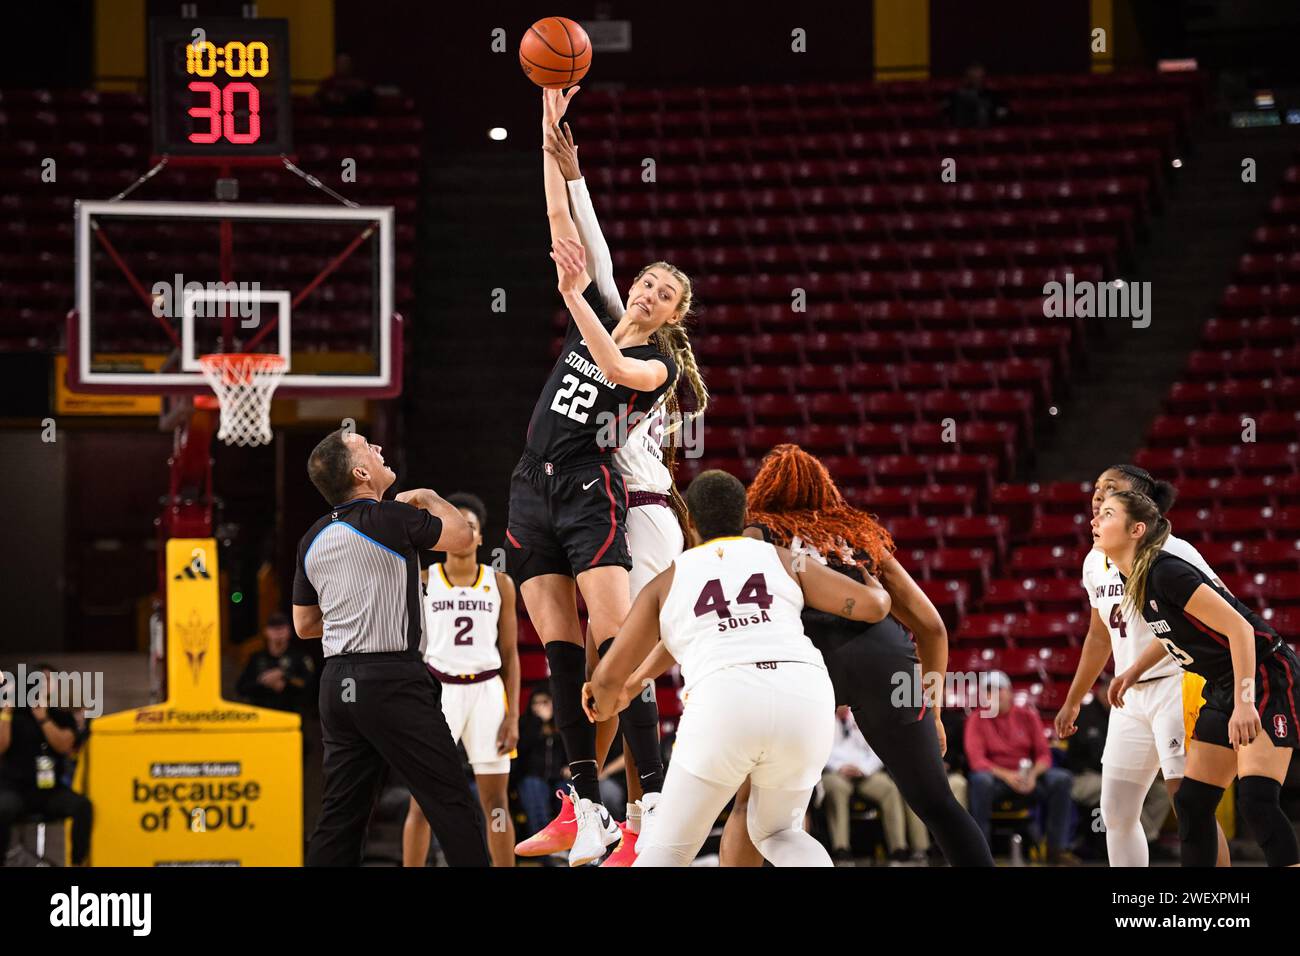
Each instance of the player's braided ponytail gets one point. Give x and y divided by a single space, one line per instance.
674 341
1138 507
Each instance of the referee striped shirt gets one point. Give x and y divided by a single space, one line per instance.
360 564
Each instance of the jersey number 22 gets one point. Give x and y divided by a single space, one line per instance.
574 406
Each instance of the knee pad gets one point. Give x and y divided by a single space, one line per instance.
1195 803
1196 798
1259 801
568 664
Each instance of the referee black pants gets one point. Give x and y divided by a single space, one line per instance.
386 708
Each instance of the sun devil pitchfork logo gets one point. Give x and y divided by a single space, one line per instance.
1279 725
195 636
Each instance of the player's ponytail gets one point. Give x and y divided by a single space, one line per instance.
1139 507
673 340
1161 492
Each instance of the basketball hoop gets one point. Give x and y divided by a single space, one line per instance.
244 384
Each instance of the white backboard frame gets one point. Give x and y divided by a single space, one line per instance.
190 378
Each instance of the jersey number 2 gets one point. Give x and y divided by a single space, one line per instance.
712 599
463 636
567 403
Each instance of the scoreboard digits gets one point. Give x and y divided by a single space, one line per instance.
220 86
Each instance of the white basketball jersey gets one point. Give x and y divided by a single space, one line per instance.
733 602
460 623
641 458
1129 633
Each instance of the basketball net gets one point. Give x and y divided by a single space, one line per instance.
244 384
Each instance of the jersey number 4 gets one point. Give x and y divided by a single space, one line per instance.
1117 621
712 599
567 403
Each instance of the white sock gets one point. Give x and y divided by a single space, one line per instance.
634 816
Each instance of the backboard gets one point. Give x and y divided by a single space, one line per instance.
158 284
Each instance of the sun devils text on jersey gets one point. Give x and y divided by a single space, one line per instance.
461 624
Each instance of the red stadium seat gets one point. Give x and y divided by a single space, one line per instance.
884 502
1060 662
950 598
1017 503
873 439
971 565
1063 530
778 410
974 659
1225 557
1052 629
1271 555
983 531
942 500
1046 561
901 470
984 630
915 532
1022 662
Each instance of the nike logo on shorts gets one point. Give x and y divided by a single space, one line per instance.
590 483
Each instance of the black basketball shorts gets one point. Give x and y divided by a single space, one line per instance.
1276 677
565 518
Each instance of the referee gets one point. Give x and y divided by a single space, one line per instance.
357 586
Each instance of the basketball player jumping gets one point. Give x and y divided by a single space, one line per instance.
1247 725
1149 732
761 703
470 632
568 504
656 513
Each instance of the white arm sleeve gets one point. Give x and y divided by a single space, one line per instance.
599 260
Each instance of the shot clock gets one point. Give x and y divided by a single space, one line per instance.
220 87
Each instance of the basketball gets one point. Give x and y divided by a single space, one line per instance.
555 53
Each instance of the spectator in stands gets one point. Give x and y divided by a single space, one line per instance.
281 676
972 104
1083 758
541 767
345 93
855 768
1008 755
35 746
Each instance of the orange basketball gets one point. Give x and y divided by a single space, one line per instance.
555 53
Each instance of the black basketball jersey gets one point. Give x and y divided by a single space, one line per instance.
1191 642
582 414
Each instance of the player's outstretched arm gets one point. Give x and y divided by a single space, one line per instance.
602 696
834 593
554 103
643 375
600 262
1095 654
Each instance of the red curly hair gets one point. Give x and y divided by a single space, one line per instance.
793 494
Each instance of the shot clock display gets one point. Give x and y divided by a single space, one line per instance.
220 87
